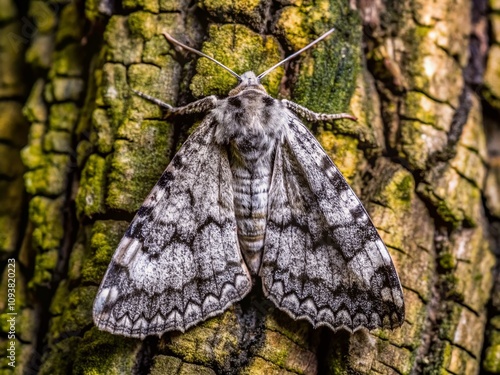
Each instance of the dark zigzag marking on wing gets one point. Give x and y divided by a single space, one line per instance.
365 301
212 288
327 237
119 309
352 299
176 166
340 183
122 273
138 233
152 330
358 235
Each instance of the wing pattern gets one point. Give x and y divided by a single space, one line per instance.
323 258
179 261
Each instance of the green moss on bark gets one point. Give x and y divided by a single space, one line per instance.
134 155
327 74
152 6
71 24
136 166
68 61
57 141
8 11
51 178
46 216
102 134
281 351
106 354
239 11
90 199
247 51
456 199
121 46
10 215
61 357
163 364
45 265
72 310
491 360
160 83
170 365
35 109
209 343
104 238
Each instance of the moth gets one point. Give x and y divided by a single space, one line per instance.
250 193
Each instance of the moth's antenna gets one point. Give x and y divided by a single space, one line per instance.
296 53
175 41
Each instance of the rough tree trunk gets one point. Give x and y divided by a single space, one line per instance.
79 152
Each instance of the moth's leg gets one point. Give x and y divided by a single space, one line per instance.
200 106
311 116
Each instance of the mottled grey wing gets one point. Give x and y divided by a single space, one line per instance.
179 261
323 258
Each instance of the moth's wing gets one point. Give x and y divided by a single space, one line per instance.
179 261
323 258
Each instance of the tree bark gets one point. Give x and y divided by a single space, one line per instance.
79 152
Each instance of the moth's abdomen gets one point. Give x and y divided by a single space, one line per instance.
250 189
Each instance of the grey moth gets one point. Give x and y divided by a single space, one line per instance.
251 193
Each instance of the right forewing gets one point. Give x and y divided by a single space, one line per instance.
324 260
179 261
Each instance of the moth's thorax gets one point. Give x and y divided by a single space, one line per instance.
249 120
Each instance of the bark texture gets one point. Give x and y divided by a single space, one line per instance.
79 152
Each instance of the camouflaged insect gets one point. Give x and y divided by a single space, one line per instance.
250 193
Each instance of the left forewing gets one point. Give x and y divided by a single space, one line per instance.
179 262
323 258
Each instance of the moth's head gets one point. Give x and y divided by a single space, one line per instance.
247 81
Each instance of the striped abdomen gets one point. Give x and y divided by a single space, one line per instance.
250 206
